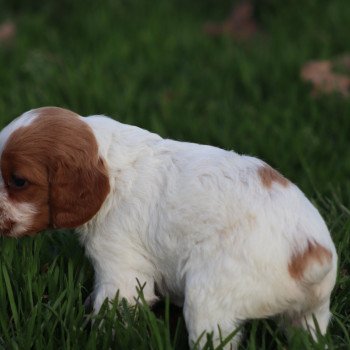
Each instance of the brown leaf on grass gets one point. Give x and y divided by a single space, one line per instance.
323 78
240 24
7 32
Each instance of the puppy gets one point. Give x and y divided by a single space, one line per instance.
224 235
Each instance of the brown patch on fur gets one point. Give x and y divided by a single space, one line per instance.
58 154
269 175
299 261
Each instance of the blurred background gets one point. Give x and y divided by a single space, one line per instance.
180 68
267 78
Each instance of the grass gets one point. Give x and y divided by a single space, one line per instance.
150 64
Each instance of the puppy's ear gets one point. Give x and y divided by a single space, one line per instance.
78 181
77 191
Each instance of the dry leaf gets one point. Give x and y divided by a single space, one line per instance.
240 24
323 78
7 32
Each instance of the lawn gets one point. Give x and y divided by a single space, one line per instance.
150 63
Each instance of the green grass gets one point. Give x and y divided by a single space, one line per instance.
150 64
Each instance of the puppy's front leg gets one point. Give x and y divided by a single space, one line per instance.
127 287
121 271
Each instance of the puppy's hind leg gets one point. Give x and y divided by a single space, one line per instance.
199 323
205 311
316 320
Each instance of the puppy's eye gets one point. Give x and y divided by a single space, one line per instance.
18 182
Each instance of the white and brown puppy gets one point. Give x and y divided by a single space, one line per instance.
224 235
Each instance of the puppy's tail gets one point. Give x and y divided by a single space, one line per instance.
311 265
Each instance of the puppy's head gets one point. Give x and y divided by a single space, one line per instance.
51 173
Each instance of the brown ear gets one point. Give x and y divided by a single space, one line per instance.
66 147
77 193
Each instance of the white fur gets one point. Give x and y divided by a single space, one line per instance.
197 222
21 214
24 120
